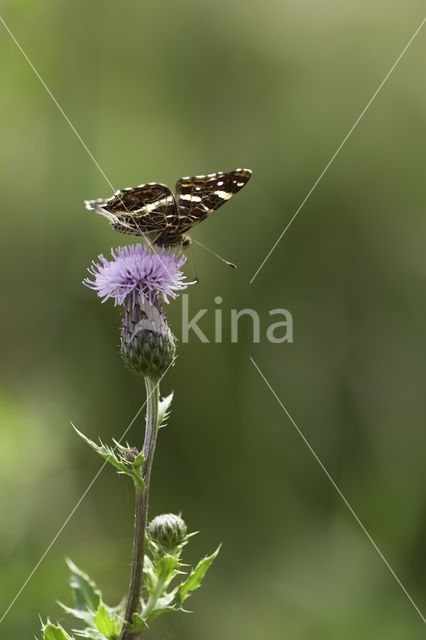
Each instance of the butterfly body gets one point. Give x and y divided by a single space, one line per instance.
152 211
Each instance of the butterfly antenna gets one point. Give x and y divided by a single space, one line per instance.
194 265
203 246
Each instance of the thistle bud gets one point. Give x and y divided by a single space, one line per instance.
130 454
147 345
168 530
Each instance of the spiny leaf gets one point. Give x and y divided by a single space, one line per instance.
87 596
164 410
196 576
160 610
122 449
124 466
55 632
80 614
107 453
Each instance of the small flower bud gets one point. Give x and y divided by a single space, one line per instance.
131 454
147 344
168 530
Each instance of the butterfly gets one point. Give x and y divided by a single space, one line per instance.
151 210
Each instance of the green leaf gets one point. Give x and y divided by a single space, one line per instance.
126 467
107 453
164 410
107 622
149 573
166 568
55 632
196 576
80 614
87 596
122 449
160 610
165 604
160 576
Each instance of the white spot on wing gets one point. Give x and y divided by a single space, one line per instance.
223 194
190 197
154 205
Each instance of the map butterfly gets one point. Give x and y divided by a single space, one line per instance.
151 210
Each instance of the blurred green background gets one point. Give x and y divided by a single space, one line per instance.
161 90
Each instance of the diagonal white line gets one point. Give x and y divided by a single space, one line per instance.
78 503
57 104
80 139
339 148
48 548
299 431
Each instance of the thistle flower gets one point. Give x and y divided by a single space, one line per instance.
136 272
140 279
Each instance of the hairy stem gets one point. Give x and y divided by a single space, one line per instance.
142 506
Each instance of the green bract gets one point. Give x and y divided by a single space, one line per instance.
147 344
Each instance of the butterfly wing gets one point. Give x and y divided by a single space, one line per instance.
143 210
199 196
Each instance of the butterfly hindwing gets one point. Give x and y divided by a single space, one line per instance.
198 196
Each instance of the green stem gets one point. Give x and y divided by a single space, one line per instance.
155 595
142 506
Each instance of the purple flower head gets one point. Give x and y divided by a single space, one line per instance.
137 273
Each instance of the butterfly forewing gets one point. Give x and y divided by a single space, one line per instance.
143 198
198 196
145 209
